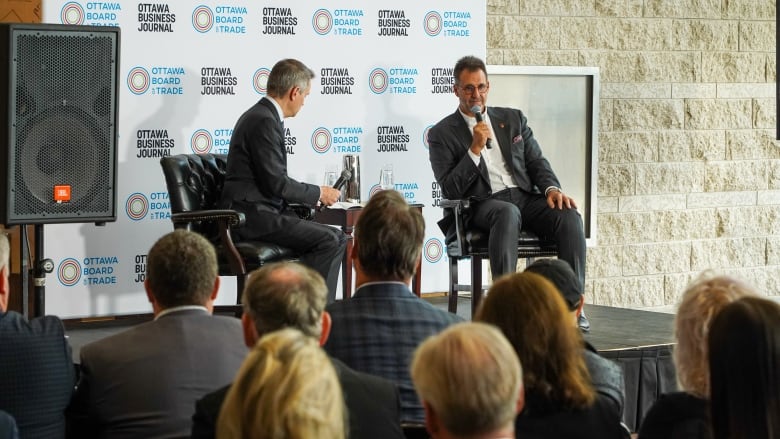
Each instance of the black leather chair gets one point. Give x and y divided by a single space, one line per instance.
473 243
194 184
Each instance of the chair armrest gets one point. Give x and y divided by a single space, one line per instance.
304 211
458 246
232 218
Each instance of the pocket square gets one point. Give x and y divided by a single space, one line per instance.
517 138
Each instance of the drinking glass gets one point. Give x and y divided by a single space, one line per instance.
386 178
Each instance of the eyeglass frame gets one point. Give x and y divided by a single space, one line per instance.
470 89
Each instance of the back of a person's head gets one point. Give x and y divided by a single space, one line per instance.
562 276
286 74
389 235
744 359
286 295
531 313
471 377
702 300
286 388
181 269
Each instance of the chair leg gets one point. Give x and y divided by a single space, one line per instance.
453 302
476 283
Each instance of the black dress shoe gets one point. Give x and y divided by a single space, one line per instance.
583 323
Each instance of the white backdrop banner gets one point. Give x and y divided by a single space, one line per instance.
189 69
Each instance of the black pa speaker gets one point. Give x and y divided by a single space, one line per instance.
58 124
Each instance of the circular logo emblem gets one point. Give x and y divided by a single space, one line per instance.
321 140
432 23
201 142
425 135
377 80
138 80
260 80
374 189
69 272
202 19
72 13
433 250
137 206
322 21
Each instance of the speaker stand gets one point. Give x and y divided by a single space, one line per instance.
40 268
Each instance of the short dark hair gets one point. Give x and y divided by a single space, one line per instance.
181 269
468 63
389 235
286 295
286 74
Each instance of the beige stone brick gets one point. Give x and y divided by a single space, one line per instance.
757 36
669 178
656 258
606 115
618 8
521 32
733 67
624 228
746 90
749 9
768 197
556 7
638 66
712 114
495 57
630 90
622 147
675 285
751 144
616 180
648 203
683 8
684 146
753 221
738 175
773 250
605 261
774 174
705 35
765 280
655 114
702 200
540 57
502 7
764 113
682 225
688 90
615 34
771 68
607 204
629 292
728 253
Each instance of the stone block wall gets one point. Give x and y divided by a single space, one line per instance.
689 168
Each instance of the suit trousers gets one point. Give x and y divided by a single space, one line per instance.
505 213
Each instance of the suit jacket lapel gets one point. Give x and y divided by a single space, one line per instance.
461 129
501 130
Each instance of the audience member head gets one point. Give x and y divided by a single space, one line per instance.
564 279
286 388
531 313
702 300
181 269
289 83
388 239
5 251
469 380
285 295
744 359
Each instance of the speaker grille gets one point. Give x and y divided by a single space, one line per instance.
63 132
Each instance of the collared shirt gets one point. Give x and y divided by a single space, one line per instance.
498 171
173 309
278 108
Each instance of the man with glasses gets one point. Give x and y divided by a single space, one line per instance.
489 155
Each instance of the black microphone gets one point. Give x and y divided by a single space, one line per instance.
477 110
342 180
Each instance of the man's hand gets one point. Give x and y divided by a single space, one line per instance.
556 198
329 195
481 136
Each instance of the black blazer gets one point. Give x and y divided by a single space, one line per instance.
373 404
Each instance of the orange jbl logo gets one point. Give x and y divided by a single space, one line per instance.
62 193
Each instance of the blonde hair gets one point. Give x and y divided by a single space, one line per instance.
286 388
531 313
471 377
702 300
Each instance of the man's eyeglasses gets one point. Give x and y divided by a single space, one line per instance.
481 88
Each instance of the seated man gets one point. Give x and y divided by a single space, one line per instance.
378 329
290 295
36 368
470 382
490 156
143 382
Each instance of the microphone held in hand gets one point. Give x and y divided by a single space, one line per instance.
477 110
342 180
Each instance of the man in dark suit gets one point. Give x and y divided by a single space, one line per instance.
144 381
290 295
257 184
378 329
493 159
36 368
